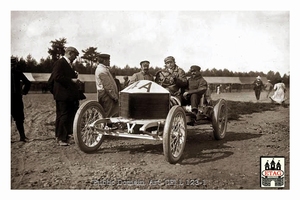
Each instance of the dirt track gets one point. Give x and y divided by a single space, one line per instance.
231 163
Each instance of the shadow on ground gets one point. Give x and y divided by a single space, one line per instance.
199 148
204 148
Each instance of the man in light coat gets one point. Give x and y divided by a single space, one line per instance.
107 90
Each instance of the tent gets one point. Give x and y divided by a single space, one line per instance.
41 77
29 77
222 80
250 80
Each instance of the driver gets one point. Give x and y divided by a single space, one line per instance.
172 78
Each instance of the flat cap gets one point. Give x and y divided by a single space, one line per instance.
144 61
195 68
169 58
103 55
72 49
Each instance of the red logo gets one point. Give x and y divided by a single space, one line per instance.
272 173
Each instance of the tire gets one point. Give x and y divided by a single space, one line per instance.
174 135
85 137
174 101
219 119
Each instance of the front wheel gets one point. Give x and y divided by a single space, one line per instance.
219 119
175 133
85 136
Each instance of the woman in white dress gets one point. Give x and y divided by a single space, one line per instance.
279 94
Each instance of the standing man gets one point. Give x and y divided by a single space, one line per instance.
63 85
172 78
20 85
143 74
107 90
268 88
258 87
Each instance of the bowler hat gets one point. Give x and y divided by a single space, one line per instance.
72 49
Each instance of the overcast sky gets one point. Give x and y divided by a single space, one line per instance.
239 41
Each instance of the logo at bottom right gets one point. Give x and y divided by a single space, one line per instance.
272 171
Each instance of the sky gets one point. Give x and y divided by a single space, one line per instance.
240 41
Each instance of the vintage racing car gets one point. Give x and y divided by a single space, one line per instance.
147 111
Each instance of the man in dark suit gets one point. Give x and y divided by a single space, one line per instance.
62 84
197 87
20 86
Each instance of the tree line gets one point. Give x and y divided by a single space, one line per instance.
86 64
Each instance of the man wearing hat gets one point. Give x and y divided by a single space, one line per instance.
20 85
107 90
172 77
197 86
143 74
258 87
63 85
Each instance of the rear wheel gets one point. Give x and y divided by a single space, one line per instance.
85 136
175 133
219 119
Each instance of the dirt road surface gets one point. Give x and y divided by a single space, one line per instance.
232 163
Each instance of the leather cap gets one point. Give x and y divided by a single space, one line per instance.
169 58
